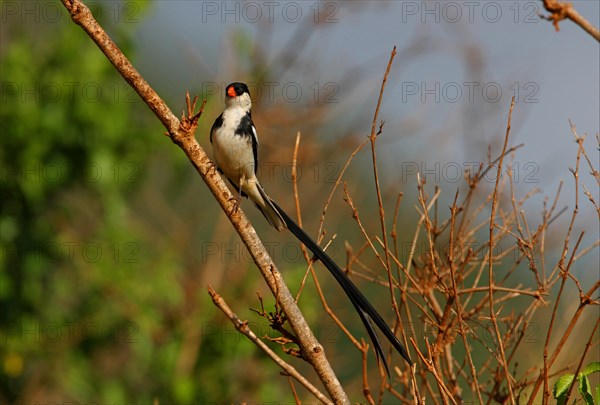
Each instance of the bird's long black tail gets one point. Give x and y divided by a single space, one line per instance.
363 307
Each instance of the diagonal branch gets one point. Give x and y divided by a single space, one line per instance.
182 134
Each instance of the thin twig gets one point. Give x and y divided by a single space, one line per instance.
581 360
456 298
490 259
244 329
365 380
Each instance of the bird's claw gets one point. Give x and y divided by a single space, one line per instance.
236 203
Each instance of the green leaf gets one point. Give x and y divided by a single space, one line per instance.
598 394
561 386
584 390
593 367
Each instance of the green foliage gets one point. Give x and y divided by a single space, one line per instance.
74 140
562 385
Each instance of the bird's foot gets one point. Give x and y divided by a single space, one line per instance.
237 200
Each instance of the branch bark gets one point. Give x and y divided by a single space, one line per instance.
182 134
562 10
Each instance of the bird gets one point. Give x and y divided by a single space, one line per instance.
235 148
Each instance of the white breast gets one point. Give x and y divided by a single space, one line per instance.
233 153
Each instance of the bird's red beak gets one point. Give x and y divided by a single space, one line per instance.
231 92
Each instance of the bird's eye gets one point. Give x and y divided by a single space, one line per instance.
231 92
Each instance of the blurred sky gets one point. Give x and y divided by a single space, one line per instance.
442 106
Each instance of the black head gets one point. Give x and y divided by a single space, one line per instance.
236 89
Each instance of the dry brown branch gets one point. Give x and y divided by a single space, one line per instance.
338 181
244 329
445 394
307 258
182 134
564 271
293 388
490 260
582 359
373 138
456 298
560 10
365 380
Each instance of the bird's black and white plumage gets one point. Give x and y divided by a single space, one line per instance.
235 145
